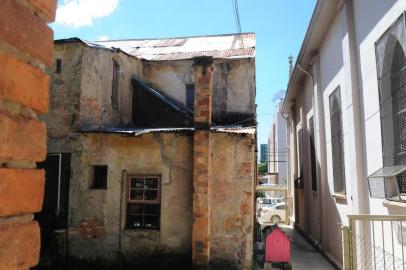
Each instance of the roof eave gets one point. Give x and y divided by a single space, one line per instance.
322 17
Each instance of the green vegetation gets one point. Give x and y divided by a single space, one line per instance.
262 168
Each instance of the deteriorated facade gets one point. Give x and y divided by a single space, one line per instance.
152 157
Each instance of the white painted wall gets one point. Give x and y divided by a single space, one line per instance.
279 152
346 55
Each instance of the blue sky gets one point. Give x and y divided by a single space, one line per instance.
280 26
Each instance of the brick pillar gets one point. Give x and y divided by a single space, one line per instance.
201 162
26 46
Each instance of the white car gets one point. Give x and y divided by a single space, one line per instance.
272 214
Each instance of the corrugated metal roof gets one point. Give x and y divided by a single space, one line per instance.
135 131
216 46
234 129
140 131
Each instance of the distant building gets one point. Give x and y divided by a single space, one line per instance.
277 161
264 153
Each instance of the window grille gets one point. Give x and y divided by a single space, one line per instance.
337 141
391 66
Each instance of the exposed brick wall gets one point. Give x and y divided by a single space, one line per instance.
201 162
26 45
90 227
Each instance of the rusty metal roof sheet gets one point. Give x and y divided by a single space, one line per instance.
216 46
133 131
234 129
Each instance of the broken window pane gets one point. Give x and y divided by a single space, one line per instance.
151 183
136 194
151 194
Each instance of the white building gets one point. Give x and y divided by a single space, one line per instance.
277 139
346 104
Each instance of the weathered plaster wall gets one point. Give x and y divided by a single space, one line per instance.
233 85
169 155
96 106
63 115
81 92
232 185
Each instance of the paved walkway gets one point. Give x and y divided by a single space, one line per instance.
304 256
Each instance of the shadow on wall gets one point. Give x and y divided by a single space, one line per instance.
365 26
329 218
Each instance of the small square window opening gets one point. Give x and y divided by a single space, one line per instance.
99 177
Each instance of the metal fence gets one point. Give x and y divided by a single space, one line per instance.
374 242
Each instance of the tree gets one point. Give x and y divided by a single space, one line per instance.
262 168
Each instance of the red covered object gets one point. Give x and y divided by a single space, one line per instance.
277 247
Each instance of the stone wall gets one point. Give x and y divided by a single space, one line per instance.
26 44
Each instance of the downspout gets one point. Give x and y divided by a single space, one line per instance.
286 117
120 229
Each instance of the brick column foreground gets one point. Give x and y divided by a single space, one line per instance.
201 162
26 46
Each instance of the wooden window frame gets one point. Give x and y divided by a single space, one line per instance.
143 202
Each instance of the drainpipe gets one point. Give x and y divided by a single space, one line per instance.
122 182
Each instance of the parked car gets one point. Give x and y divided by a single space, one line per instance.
273 213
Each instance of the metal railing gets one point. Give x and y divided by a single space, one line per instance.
374 242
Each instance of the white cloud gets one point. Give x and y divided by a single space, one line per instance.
78 13
102 38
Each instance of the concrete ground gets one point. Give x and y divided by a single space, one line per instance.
303 255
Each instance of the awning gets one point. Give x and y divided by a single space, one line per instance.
391 171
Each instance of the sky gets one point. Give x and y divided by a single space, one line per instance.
280 26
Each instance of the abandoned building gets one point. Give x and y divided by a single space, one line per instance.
151 149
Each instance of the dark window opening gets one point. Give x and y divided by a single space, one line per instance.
58 67
313 155
99 177
190 97
337 142
299 183
115 86
143 202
